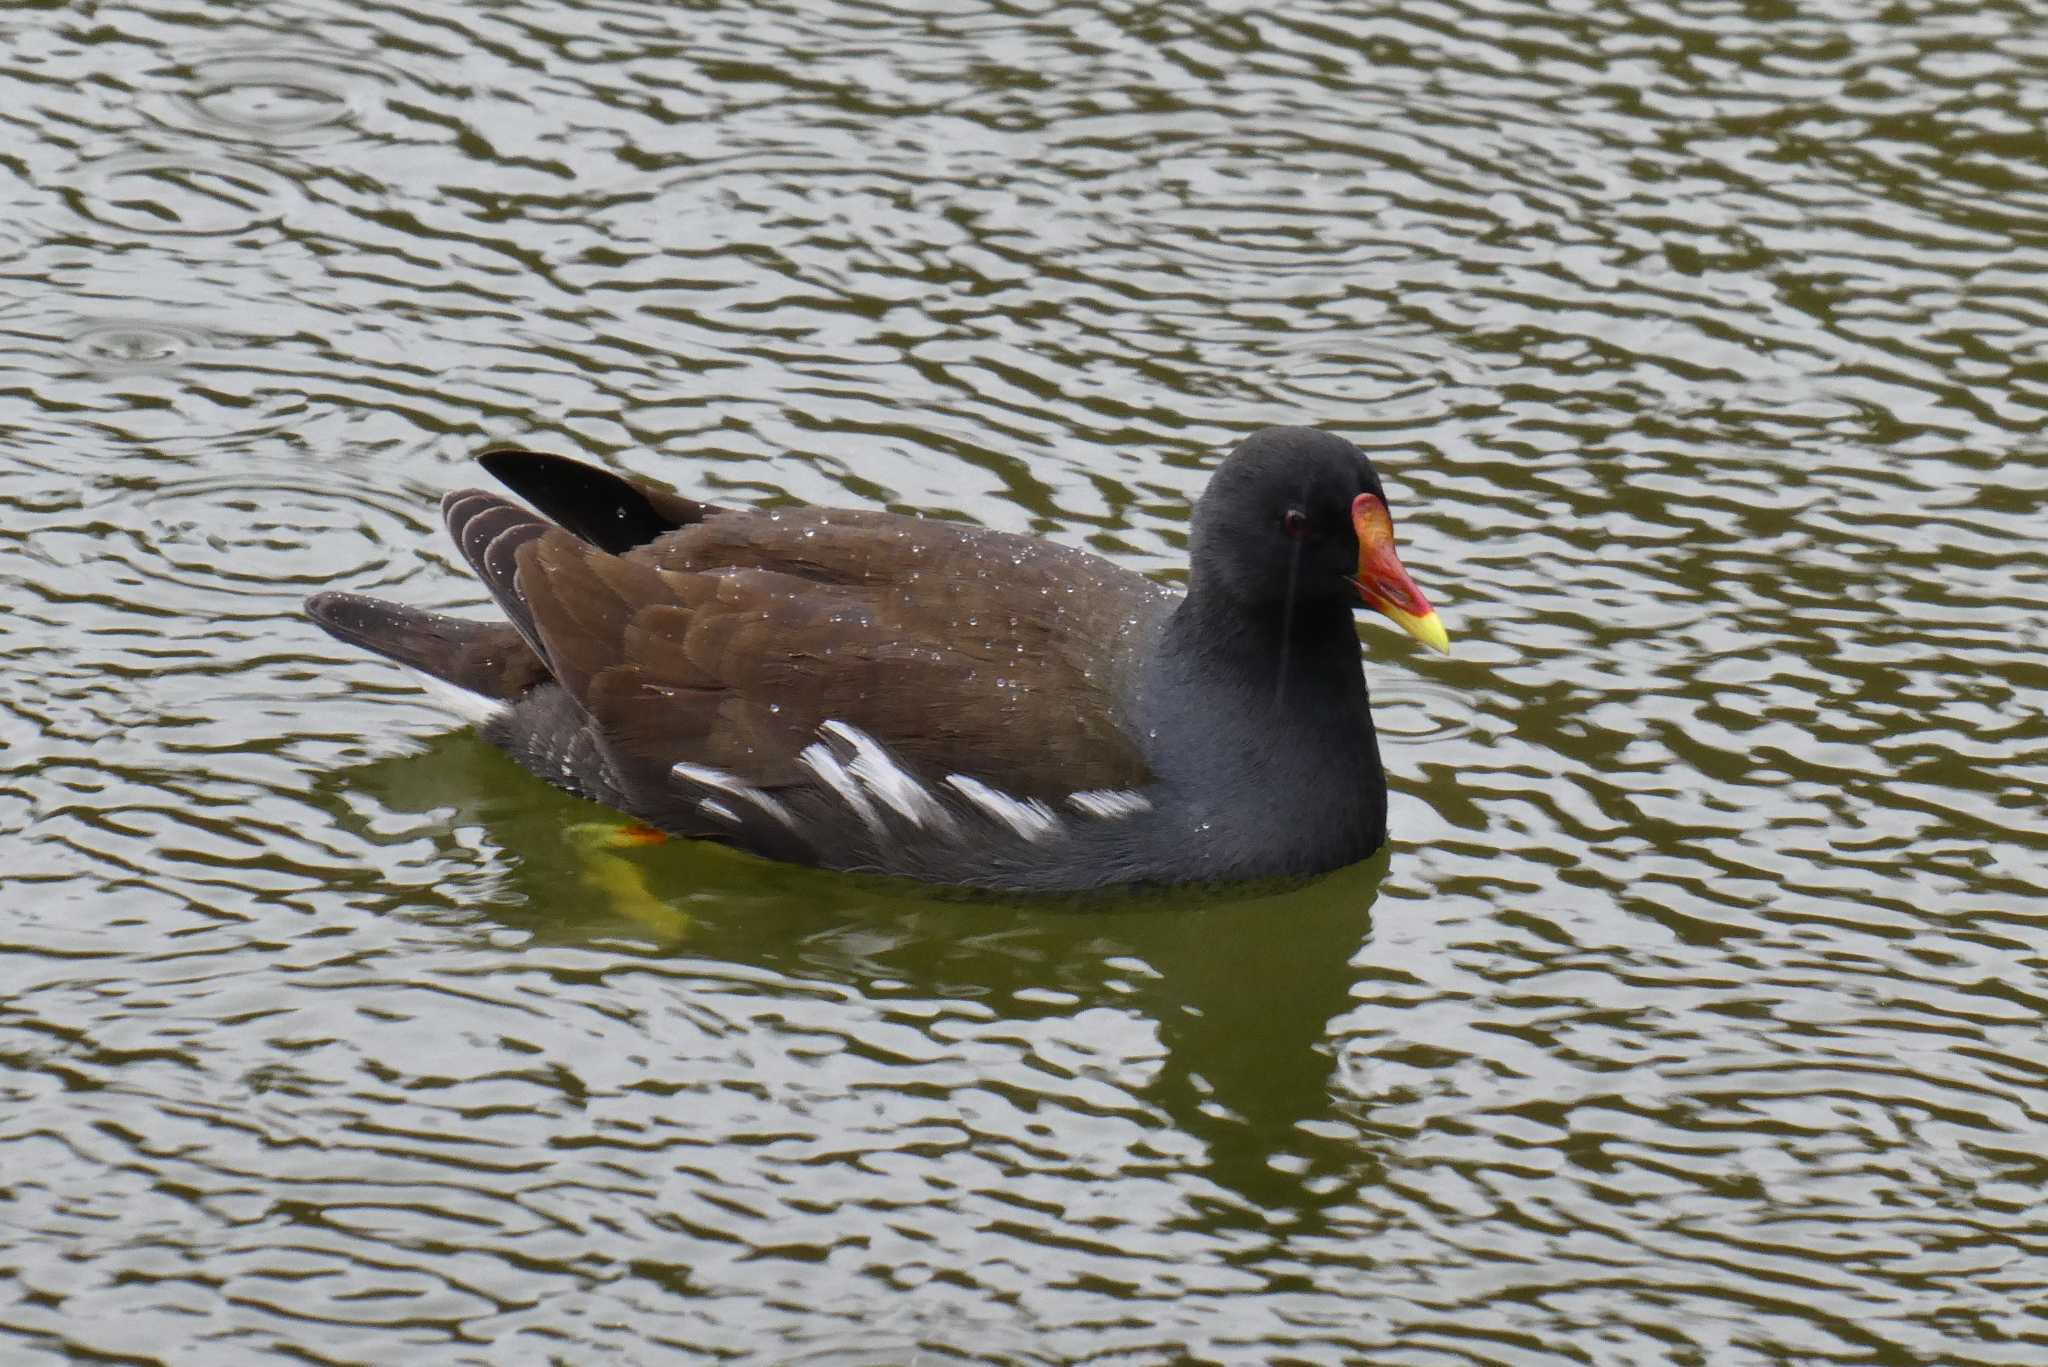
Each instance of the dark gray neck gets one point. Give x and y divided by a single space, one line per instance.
1260 730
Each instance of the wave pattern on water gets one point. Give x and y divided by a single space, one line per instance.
1695 1017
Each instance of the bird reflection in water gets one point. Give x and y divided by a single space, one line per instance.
1239 986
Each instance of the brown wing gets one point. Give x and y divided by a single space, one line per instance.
730 641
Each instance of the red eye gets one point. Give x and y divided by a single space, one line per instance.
1295 524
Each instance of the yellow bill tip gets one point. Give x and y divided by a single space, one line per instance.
1428 628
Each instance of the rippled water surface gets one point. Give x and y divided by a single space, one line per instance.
1695 1017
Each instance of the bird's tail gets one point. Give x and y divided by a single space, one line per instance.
489 659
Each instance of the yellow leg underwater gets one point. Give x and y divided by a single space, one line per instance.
621 881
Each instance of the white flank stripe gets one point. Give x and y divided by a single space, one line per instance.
1111 804
887 780
704 776
819 759
1028 817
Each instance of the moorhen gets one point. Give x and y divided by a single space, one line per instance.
871 692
